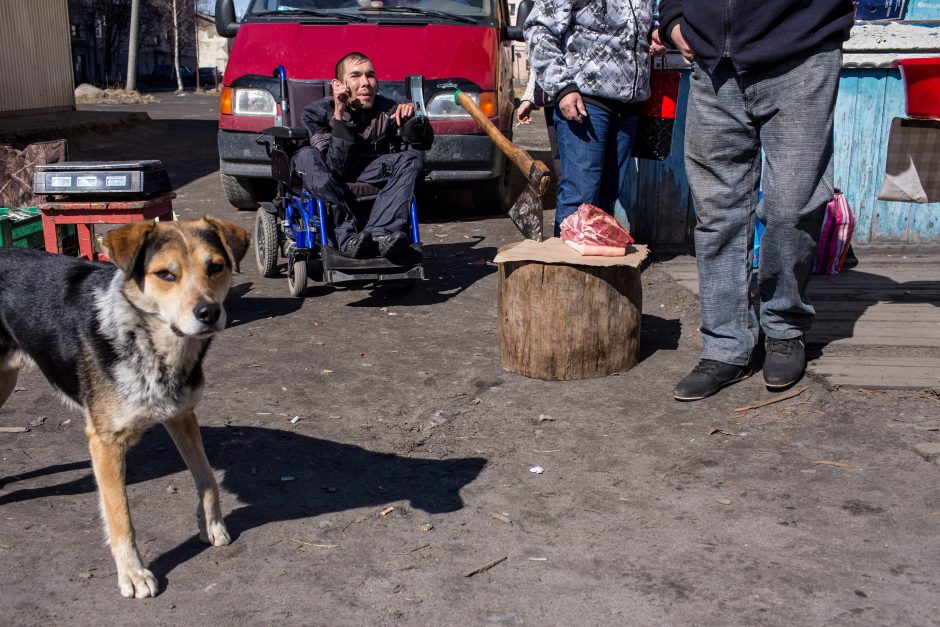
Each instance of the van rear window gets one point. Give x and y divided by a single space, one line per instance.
437 9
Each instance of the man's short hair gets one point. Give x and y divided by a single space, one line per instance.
354 57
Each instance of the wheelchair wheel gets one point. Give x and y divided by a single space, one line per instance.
266 244
297 275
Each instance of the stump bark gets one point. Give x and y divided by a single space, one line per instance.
559 322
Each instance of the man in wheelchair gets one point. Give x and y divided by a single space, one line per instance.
356 150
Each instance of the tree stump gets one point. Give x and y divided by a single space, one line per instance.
562 321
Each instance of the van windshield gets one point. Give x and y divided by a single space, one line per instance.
440 9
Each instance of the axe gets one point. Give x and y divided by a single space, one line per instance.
526 213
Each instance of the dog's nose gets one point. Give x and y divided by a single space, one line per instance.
207 312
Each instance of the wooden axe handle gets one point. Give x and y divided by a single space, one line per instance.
520 157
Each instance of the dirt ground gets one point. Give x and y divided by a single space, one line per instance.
372 454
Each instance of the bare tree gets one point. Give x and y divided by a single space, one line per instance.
112 18
178 16
176 47
104 24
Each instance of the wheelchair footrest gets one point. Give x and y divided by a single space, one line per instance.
338 268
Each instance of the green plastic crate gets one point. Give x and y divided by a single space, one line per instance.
21 228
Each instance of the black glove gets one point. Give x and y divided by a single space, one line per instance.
418 133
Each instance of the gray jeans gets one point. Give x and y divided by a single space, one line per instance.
787 113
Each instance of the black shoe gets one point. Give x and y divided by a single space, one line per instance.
708 377
359 246
785 362
391 243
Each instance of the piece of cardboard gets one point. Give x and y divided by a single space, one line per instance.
554 251
912 168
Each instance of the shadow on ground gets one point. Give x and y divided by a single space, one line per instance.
242 309
327 477
449 269
658 334
157 139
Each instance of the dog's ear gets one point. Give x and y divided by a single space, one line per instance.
234 238
126 244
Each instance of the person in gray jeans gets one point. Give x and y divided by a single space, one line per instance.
765 74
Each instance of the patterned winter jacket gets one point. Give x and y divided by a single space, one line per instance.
596 47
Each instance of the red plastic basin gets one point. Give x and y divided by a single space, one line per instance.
921 86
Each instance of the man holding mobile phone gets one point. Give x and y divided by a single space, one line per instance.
353 139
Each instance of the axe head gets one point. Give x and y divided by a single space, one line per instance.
526 213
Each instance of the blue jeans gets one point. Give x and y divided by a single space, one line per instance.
594 156
787 113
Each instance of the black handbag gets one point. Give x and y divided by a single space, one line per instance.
657 117
540 99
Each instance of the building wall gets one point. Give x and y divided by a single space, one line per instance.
35 57
520 59
213 49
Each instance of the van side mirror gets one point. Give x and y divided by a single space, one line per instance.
226 24
516 33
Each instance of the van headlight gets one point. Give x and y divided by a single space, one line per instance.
441 106
254 102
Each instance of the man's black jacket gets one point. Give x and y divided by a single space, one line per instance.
756 33
351 144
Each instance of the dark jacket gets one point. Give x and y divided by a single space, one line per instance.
351 144
756 33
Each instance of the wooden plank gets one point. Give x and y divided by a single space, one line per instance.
893 373
892 219
894 317
925 222
821 337
902 378
862 327
658 203
673 211
928 364
844 135
870 94
625 209
926 310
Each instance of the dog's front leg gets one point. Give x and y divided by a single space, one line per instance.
107 458
185 433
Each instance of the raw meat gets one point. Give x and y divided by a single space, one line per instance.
592 231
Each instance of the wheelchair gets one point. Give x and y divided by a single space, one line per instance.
294 225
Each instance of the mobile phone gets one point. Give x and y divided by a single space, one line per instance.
352 102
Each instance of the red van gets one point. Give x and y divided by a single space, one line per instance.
454 44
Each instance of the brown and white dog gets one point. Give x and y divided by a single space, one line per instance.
125 343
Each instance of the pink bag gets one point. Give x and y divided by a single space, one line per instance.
835 237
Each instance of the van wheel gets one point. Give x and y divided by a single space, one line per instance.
297 275
240 191
266 244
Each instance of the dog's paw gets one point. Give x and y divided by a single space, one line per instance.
137 583
215 534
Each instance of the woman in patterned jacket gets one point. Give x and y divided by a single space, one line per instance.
593 58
